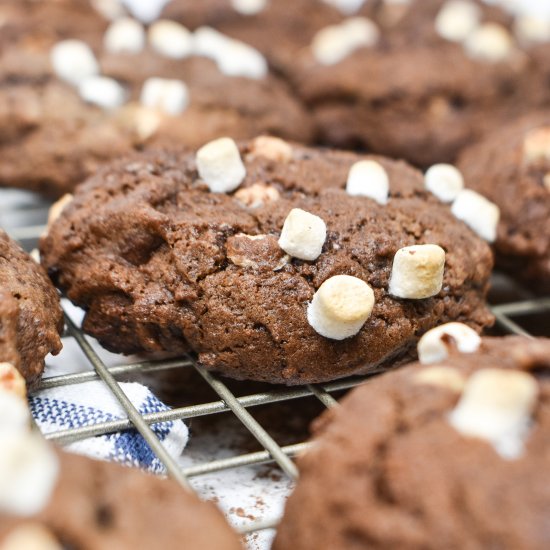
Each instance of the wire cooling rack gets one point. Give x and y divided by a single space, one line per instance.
516 312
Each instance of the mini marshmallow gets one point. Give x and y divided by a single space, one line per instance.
168 96
12 381
233 58
170 39
478 213
443 377
546 181
15 415
73 61
102 91
220 165
30 536
57 208
434 346
490 42
444 181
303 235
347 7
240 59
532 30
536 145
496 406
110 9
336 42
457 19
145 10
125 35
271 148
257 195
340 307
28 473
249 7
417 271
368 178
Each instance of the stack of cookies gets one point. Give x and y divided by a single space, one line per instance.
295 192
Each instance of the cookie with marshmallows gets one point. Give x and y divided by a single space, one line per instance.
382 81
273 261
76 97
52 500
512 167
447 453
31 319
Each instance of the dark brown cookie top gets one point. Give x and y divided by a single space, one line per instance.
99 505
511 166
161 264
30 315
71 120
415 458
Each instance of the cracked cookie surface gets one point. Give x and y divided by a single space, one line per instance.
161 264
388 470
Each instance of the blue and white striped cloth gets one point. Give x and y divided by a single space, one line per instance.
86 404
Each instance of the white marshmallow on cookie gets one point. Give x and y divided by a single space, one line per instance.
536 145
124 35
73 61
109 9
530 29
11 380
490 42
347 7
336 42
29 469
368 178
145 10
442 377
249 7
272 148
166 95
30 536
457 19
220 165
303 235
444 181
102 91
257 195
479 213
497 406
170 39
15 416
340 307
434 346
417 271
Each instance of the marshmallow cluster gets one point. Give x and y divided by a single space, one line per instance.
417 271
220 165
435 345
303 235
461 21
368 178
169 96
444 181
480 214
497 406
340 307
336 42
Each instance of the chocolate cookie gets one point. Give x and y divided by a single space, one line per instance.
54 500
512 167
274 262
419 84
30 315
70 101
449 454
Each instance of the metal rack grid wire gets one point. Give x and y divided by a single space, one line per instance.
508 319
